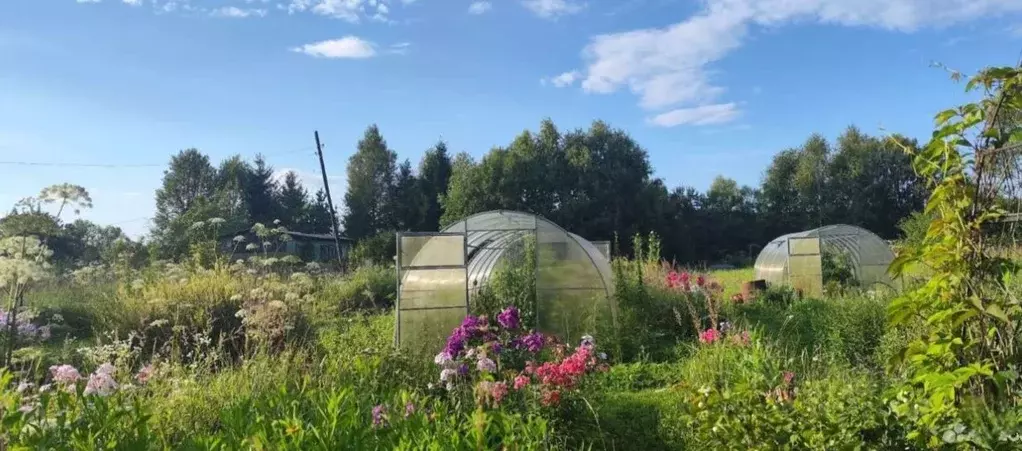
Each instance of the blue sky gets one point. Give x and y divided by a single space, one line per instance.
707 87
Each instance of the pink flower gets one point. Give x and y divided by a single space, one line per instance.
65 374
551 398
788 377
144 374
709 336
701 280
521 381
101 384
498 391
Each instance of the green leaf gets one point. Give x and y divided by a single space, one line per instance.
996 311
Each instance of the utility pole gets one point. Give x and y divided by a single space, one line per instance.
329 201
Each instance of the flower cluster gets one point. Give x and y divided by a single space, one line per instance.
565 374
478 344
102 381
710 336
24 327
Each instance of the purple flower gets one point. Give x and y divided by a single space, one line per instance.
442 358
508 318
473 322
532 342
409 409
486 365
379 416
463 369
497 347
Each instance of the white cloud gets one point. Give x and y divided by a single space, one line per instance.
700 115
400 48
479 7
667 67
551 9
346 47
235 12
350 10
563 80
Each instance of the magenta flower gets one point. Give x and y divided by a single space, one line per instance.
379 416
709 336
509 318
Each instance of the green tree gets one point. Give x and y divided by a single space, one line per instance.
434 178
406 199
370 184
318 217
186 196
293 201
261 192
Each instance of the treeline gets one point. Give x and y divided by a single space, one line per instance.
598 183
237 191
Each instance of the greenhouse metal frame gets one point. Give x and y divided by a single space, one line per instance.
439 273
793 260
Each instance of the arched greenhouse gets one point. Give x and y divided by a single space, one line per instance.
564 279
798 259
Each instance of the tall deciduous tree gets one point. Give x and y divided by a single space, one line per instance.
370 185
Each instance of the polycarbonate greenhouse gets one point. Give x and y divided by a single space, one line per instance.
441 275
796 259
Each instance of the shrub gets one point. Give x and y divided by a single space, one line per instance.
368 287
378 249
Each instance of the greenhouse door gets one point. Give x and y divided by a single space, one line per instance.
805 267
432 288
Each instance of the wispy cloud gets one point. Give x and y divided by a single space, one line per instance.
479 7
349 10
563 80
667 68
400 48
552 9
351 47
88 1
237 13
700 115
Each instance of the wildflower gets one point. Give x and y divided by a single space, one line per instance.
217 221
45 332
462 369
379 416
442 359
508 318
725 326
101 384
26 408
496 347
700 281
788 377
45 388
532 342
498 391
551 398
709 336
144 374
447 374
65 374
521 381
587 341
23 387
409 409
471 353
251 247
239 239
106 369
486 365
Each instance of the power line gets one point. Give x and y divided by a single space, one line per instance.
118 165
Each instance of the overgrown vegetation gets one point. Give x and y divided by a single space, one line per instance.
214 353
